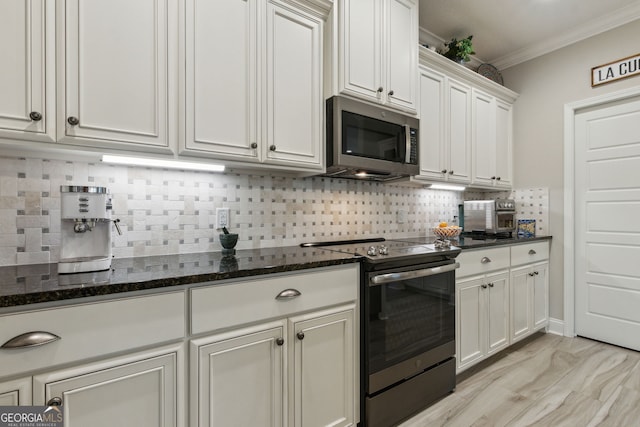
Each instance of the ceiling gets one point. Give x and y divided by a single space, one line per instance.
508 32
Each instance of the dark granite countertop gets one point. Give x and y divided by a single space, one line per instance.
40 283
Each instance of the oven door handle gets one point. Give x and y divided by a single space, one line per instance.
381 279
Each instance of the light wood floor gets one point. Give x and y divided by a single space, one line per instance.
547 381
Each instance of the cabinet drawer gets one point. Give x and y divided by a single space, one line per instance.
482 261
92 330
221 306
530 252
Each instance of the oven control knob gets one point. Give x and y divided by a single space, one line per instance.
372 251
383 250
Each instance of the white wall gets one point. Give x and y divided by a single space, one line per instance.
545 85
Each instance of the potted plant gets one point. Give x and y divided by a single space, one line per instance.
459 50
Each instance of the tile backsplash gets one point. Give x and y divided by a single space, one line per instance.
171 212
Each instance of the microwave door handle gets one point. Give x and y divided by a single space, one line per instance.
381 279
407 144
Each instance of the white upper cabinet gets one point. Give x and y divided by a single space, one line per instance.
466 123
377 51
113 73
221 82
492 141
256 99
445 128
27 104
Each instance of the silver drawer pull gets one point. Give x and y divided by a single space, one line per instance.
30 339
485 260
532 252
288 294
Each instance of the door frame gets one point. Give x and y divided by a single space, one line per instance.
570 111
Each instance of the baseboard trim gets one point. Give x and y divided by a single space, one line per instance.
556 326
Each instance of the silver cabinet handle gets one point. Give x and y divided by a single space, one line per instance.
288 294
443 171
272 148
280 341
483 286
254 145
30 339
532 252
450 172
73 121
485 260
391 93
405 275
380 89
54 401
491 285
35 116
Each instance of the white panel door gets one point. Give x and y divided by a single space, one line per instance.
24 85
221 78
607 229
15 392
432 122
503 163
484 138
470 321
293 110
402 53
497 311
459 127
237 378
324 367
113 73
139 393
361 21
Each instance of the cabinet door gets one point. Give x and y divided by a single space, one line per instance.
113 81
521 279
470 322
361 49
497 295
221 77
484 135
540 297
503 144
293 108
27 85
432 121
459 127
402 53
15 392
324 368
128 392
237 378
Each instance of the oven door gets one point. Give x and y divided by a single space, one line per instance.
409 321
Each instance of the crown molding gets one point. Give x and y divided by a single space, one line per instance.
597 26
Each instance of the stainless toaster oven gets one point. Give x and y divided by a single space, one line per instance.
490 216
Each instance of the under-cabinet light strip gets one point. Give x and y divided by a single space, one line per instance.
159 163
447 187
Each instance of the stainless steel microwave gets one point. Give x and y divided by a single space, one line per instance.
369 142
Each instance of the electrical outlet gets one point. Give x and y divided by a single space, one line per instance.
222 217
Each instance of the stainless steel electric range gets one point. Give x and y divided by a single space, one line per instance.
407 325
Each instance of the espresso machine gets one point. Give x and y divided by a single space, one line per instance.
85 229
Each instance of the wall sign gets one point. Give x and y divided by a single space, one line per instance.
620 69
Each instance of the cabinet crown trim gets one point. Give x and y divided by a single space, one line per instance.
439 63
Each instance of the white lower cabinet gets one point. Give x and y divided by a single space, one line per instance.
482 304
299 369
15 392
237 378
529 299
502 296
323 368
134 391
